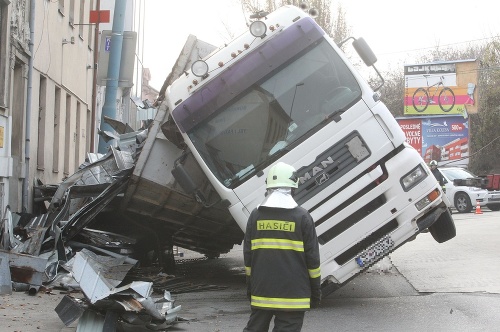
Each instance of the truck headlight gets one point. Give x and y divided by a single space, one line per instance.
199 68
414 177
258 29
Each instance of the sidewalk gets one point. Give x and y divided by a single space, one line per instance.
204 310
21 312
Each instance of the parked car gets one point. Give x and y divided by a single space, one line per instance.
493 200
464 198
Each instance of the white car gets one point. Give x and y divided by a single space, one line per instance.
463 198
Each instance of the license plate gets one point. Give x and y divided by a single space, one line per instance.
376 251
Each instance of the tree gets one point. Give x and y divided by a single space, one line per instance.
392 91
338 29
485 136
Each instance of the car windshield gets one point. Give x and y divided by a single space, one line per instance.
261 123
457 173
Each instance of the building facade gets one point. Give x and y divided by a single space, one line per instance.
49 111
45 95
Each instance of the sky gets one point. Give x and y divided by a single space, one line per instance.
398 31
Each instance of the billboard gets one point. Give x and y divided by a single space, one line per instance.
441 138
441 88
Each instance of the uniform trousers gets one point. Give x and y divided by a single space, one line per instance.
284 321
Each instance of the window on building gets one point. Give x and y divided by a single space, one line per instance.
82 19
42 117
57 130
18 107
68 136
88 129
77 134
61 7
3 56
91 30
71 12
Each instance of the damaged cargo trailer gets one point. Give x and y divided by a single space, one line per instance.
190 215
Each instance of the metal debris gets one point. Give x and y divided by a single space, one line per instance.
26 269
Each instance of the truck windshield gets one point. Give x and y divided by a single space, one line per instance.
267 119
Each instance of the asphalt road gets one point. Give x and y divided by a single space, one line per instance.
422 286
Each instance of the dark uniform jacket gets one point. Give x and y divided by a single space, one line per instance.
282 260
439 177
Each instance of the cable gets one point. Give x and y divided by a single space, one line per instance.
432 47
43 28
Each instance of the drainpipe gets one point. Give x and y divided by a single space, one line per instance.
115 54
25 200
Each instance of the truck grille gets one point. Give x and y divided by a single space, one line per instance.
330 166
351 220
358 215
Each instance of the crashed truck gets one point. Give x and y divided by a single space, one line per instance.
282 91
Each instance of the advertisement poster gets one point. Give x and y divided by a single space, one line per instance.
441 138
441 88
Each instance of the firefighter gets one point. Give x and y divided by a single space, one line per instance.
437 174
281 255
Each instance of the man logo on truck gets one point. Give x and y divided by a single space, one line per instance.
317 170
322 179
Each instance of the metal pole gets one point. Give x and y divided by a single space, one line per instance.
115 53
94 79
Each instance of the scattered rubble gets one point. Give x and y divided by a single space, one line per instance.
109 231
111 277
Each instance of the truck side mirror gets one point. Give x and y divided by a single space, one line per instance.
364 51
366 54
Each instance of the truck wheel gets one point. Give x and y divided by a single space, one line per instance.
462 203
493 207
443 229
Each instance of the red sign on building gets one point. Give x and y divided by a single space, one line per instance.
99 16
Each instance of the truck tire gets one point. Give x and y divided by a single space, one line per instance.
463 203
493 207
444 228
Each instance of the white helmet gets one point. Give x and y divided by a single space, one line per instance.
282 175
280 181
433 163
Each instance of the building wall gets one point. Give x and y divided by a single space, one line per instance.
5 118
60 124
62 89
14 51
58 137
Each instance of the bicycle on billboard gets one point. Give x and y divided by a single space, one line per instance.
423 97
